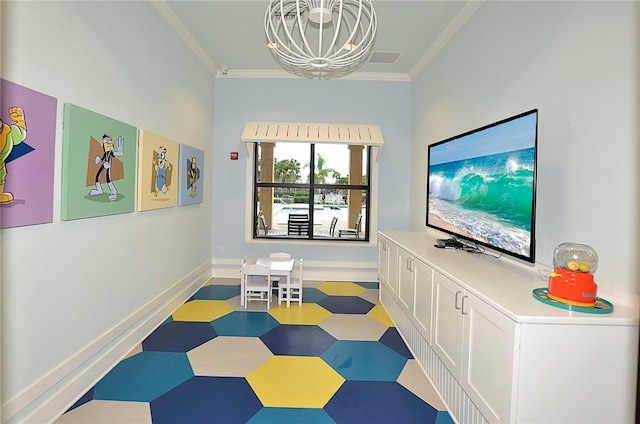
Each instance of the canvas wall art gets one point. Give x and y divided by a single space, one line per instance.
98 165
158 168
27 144
190 178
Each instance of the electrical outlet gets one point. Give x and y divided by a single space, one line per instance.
220 249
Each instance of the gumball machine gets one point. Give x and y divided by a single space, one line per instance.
572 282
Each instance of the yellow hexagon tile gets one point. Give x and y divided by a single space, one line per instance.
344 288
378 313
202 310
305 314
295 382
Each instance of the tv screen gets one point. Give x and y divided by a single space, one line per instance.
482 186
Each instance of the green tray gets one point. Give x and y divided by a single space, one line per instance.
602 306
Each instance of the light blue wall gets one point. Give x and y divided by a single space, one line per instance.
577 62
238 100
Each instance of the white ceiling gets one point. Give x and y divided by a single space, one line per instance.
230 33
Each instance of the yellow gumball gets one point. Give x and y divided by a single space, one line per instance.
584 267
573 265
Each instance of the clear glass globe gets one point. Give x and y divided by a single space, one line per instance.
575 257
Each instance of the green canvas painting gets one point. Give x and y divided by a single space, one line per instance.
99 157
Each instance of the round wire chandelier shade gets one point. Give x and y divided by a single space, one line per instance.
320 38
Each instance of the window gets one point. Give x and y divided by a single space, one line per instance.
311 191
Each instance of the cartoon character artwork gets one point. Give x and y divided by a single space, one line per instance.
110 150
162 169
10 135
190 177
193 175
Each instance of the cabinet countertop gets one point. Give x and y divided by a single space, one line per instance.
506 286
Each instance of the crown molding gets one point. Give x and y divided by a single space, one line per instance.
182 31
446 35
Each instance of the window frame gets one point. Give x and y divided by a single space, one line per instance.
369 187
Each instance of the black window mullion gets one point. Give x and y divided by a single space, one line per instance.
312 183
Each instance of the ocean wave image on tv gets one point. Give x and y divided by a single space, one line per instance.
488 198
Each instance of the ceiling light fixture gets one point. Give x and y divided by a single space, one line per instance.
320 38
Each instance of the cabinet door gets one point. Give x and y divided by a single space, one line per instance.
405 281
423 275
490 340
383 261
448 323
392 277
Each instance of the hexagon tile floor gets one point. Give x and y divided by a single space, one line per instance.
334 359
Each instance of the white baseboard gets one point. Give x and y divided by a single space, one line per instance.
313 270
46 399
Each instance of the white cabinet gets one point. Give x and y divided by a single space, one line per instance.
448 321
423 280
406 281
414 285
477 344
494 352
383 260
388 265
489 339
415 290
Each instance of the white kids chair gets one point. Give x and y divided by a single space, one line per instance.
257 283
293 290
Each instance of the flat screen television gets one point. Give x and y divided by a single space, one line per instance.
482 186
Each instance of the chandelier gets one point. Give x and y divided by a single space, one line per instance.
320 38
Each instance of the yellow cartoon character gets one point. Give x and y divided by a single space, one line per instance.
10 135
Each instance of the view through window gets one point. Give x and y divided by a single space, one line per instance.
311 191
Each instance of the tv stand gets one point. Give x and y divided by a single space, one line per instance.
496 354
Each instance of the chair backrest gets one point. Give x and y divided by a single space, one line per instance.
298 227
358 221
332 227
280 256
257 270
263 220
299 216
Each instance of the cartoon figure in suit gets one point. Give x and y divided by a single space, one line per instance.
105 165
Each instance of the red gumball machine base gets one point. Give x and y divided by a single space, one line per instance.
572 288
